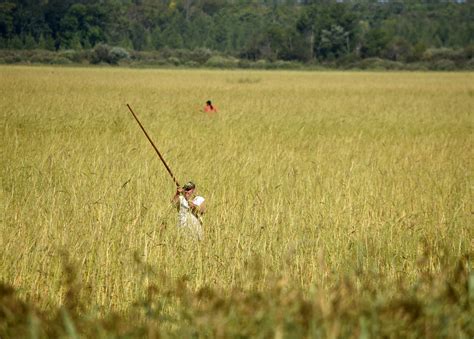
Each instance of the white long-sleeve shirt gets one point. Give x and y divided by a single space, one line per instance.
187 220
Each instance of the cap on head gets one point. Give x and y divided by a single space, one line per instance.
189 186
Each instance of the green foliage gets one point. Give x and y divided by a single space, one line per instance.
470 64
374 43
221 62
444 65
309 31
201 55
117 54
46 42
6 18
469 51
399 50
437 54
103 53
174 61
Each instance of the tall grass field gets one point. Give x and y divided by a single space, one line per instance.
339 204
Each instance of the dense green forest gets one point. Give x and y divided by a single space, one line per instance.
194 31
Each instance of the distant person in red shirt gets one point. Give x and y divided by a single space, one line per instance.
209 108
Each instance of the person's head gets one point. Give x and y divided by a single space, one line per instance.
208 103
189 188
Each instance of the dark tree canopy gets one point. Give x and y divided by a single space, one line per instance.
293 30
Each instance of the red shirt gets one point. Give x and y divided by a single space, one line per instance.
209 109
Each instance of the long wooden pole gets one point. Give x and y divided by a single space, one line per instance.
156 149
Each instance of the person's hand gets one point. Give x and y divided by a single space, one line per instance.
179 190
197 208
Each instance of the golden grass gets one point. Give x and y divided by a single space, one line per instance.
309 176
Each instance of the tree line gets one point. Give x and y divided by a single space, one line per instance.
289 30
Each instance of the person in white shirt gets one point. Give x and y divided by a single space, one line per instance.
190 208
